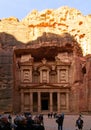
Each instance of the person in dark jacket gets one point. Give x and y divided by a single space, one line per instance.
5 124
22 124
30 122
79 123
59 121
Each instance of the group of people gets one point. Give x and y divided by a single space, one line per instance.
60 119
26 122
51 114
22 122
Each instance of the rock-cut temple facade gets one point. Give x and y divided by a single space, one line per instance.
49 73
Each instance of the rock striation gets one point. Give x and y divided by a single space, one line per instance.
58 21
64 30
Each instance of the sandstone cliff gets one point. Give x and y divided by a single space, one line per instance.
58 21
62 27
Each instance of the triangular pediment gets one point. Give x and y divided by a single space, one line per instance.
42 86
45 86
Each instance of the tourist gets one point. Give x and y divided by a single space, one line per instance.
55 115
4 123
10 118
41 119
30 122
79 123
59 121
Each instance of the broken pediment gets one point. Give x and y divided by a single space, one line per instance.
63 58
26 58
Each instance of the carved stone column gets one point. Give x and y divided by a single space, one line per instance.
30 74
39 102
51 102
21 75
40 76
58 102
67 75
58 80
22 101
31 101
47 76
67 101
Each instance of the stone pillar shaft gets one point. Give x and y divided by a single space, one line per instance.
67 101
31 102
58 102
39 102
51 102
22 101
58 80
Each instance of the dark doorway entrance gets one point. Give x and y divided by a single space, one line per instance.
44 104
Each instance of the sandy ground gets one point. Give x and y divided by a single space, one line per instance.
69 122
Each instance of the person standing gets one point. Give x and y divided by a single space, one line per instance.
59 121
10 118
5 124
79 123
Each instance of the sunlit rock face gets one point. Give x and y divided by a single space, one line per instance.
59 38
58 21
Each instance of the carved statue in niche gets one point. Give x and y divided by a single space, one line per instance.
36 75
26 74
44 75
53 67
35 71
53 72
63 75
44 61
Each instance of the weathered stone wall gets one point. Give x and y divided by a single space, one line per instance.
18 34
88 82
6 80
